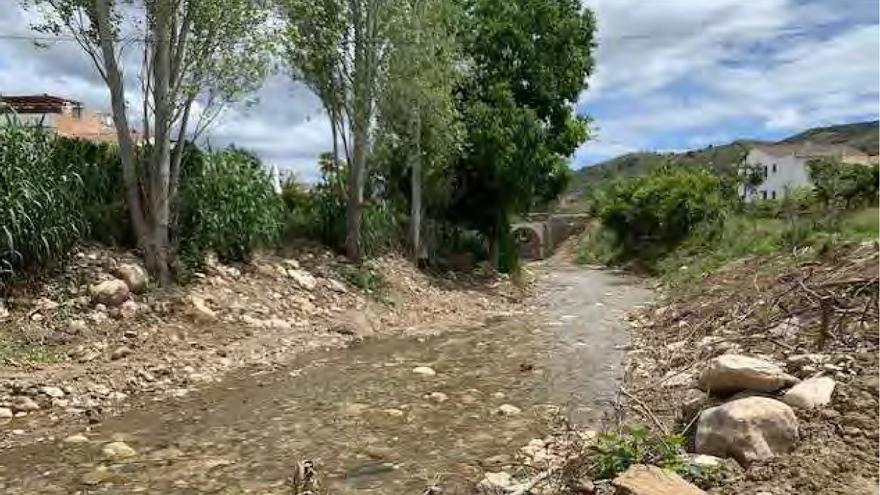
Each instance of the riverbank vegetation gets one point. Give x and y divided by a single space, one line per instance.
681 222
447 117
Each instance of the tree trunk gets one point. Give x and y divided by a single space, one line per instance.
361 90
416 186
160 166
120 121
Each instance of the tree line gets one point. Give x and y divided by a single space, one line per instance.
463 110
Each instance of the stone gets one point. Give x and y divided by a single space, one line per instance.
732 373
495 483
128 309
438 397
302 279
110 293
53 392
673 379
750 429
583 487
507 410
797 361
703 461
352 322
787 328
200 311
5 413
120 353
397 413
24 404
77 438
134 276
115 451
810 394
692 401
641 479
424 370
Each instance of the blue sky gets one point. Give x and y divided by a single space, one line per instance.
682 74
670 75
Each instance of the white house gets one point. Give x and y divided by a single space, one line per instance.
784 166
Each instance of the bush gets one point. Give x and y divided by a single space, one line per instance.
635 445
41 201
651 214
845 185
228 207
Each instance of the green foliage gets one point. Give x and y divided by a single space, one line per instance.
636 445
41 202
528 61
650 215
228 207
844 185
321 216
103 203
365 278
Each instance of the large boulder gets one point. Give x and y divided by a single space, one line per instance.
110 293
732 373
353 322
750 429
810 394
134 276
641 479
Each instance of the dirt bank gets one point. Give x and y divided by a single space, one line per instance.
777 308
64 357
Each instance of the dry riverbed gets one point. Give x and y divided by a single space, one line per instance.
387 415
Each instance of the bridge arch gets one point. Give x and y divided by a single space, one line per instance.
529 238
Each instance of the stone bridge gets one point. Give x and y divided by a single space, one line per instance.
538 234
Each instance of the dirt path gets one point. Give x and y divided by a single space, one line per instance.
386 416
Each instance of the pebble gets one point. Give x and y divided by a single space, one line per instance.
508 410
5 413
120 353
24 404
118 450
397 413
77 438
424 370
53 392
438 397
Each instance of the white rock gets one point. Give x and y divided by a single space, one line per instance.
810 394
118 450
640 479
302 279
5 413
732 373
424 370
53 392
750 429
128 309
508 410
200 311
24 404
704 461
495 483
77 438
438 397
134 276
109 293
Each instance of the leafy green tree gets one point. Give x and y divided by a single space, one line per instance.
844 184
419 132
526 63
341 48
208 52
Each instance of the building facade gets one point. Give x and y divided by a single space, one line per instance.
784 168
61 116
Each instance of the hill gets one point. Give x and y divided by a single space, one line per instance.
723 158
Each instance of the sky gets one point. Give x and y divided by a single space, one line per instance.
670 75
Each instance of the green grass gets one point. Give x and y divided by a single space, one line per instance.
742 236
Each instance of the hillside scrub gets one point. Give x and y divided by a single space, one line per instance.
681 223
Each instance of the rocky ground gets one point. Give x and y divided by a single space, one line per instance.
80 345
767 368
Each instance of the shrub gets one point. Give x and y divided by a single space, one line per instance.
636 445
41 200
651 214
228 207
845 185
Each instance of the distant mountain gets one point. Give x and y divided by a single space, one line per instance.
861 135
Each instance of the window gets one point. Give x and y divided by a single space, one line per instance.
774 168
773 194
763 194
765 170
